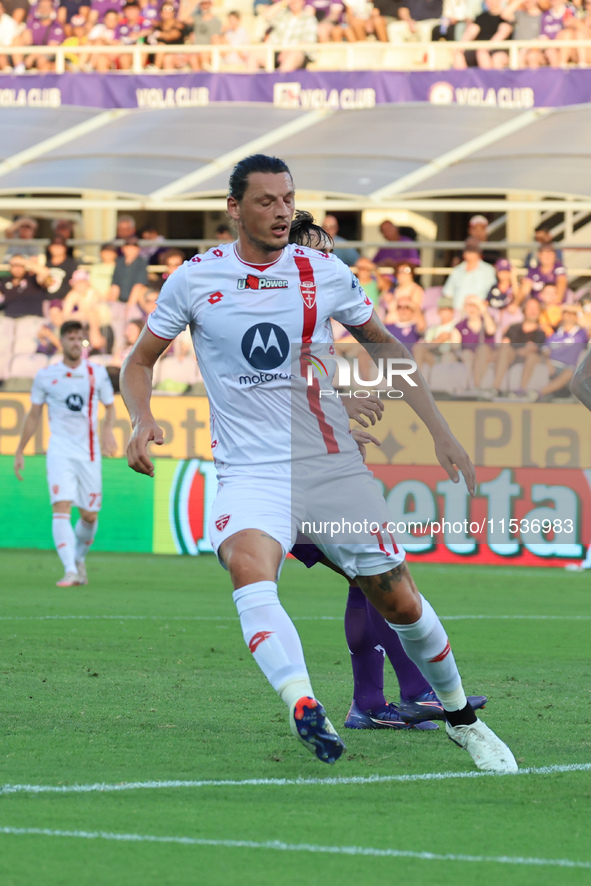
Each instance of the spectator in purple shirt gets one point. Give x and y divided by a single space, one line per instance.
130 31
545 269
406 322
43 29
99 8
405 254
562 352
558 23
474 331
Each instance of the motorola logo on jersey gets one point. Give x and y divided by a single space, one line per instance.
252 282
74 402
265 346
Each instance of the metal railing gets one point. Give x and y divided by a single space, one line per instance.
350 56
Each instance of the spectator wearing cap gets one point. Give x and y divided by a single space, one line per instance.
520 344
391 233
207 29
58 269
561 353
23 228
472 276
438 340
478 228
502 297
22 294
546 269
543 237
346 253
130 272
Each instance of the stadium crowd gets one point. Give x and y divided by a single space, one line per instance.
492 330
79 24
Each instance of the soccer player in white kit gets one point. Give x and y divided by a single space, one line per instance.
72 390
245 303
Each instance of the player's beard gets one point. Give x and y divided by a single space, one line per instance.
264 245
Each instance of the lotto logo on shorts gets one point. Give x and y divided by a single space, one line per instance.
222 522
215 298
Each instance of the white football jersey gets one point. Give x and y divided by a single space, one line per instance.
72 397
252 326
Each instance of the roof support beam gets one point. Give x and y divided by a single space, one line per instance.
460 153
62 138
228 160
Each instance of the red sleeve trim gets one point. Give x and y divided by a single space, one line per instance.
359 325
161 337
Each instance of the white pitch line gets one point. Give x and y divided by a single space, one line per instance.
279 846
294 618
277 782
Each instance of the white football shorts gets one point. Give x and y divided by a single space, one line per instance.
333 499
75 480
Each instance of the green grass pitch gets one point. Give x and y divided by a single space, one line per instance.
152 683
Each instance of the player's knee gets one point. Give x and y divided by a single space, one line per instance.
88 516
61 507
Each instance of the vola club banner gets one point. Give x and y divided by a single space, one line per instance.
308 90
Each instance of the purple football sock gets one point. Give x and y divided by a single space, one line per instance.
367 661
412 683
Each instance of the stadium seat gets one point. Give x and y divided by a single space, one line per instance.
7 325
449 377
28 326
5 358
26 365
25 344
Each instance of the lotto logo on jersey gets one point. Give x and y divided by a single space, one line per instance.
222 522
74 402
252 282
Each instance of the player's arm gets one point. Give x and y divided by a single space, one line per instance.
581 382
29 428
108 441
136 388
451 455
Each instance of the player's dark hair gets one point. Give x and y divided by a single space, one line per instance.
70 326
255 163
305 232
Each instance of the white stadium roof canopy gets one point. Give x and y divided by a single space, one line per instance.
392 156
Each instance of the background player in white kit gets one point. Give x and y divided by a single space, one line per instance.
245 303
72 390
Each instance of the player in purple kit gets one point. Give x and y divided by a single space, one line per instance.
369 637
245 302
72 390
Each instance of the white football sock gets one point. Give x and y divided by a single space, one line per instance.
85 533
426 644
273 640
64 540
